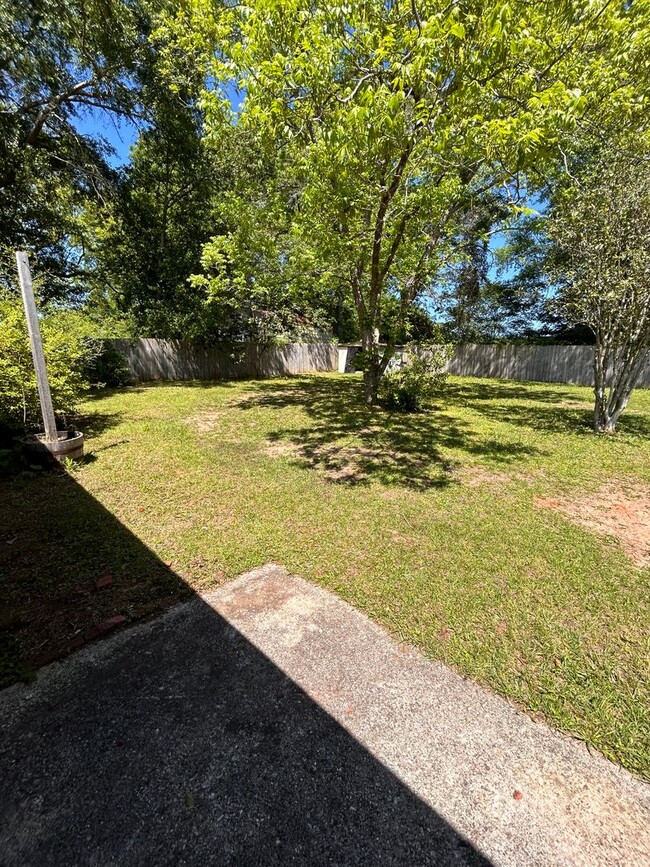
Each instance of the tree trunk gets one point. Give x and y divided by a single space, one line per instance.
627 367
600 373
372 365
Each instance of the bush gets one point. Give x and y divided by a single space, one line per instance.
68 351
107 366
411 381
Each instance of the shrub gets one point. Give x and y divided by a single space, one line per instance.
409 382
68 350
107 365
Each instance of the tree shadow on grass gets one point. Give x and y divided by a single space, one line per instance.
93 424
354 444
470 391
179 743
528 407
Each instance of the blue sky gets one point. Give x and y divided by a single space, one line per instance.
121 133
118 132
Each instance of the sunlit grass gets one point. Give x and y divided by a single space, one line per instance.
428 523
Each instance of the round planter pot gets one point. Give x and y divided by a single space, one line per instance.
70 444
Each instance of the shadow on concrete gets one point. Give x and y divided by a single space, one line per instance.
178 742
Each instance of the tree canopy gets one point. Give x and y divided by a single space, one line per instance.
57 61
397 118
600 228
310 167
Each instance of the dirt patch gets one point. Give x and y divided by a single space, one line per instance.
281 450
350 464
475 477
205 421
617 510
401 539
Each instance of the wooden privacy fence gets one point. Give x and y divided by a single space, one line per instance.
150 358
544 363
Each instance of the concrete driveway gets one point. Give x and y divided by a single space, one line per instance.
271 723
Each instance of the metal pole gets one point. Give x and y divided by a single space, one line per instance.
49 422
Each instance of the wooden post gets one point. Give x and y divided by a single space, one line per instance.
49 422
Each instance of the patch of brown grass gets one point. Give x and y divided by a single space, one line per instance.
281 449
205 422
474 477
346 464
619 510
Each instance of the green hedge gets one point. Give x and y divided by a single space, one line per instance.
77 357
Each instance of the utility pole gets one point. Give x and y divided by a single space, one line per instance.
49 422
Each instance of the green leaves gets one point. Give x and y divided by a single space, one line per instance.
61 61
392 117
457 29
600 228
68 346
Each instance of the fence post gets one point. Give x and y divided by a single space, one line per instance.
25 277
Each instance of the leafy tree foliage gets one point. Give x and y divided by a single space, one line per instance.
418 374
522 299
472 307
58 60
600 228
394 115
258 283
161 215
377 148
70 344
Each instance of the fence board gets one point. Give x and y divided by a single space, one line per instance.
154 359
544 363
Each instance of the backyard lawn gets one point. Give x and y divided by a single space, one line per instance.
495 531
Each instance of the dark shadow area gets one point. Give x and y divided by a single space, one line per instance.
512 403
90 457
98 394
56 542
93 424
183 744
168 383
396 448
508 389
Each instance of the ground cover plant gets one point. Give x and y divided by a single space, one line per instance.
494 531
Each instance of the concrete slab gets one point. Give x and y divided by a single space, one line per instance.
271 723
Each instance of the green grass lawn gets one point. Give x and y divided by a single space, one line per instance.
432 524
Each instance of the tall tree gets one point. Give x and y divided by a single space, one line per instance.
58 60
395 114
160 217
600 229
466 298
262 282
